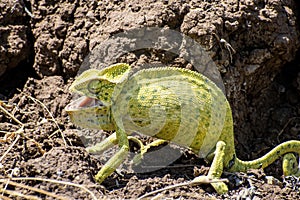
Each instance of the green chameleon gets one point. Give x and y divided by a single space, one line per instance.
170 104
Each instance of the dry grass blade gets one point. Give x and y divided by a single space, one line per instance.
8 113
10 147
52 117
204 180
4 197
19 132
32 189
55 181
18 194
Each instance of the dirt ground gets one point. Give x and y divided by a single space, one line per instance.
42 50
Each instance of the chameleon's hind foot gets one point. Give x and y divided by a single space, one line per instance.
290 165
216 169
220 187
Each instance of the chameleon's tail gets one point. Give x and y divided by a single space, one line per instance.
292 146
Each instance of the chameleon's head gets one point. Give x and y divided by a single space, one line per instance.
100 84
97 86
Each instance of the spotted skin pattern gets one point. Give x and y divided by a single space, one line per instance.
170 104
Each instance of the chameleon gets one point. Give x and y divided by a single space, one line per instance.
171 104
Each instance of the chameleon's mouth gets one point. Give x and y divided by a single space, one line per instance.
83 102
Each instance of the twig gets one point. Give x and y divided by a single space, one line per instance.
4 197
57 182
10 115
226 44
7 182
18 194
33 189
50 136
25 8
189 183
11 146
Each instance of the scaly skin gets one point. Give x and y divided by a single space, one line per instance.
171 104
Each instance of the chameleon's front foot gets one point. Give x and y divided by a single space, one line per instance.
103 174
112 164
116 160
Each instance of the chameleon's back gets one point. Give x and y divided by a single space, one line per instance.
177 105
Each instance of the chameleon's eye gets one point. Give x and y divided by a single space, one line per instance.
94 86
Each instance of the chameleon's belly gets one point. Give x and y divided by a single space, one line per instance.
172 108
